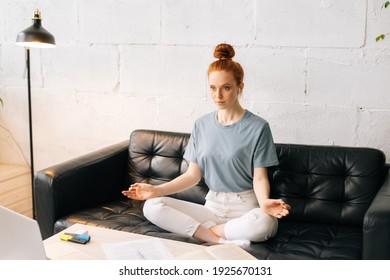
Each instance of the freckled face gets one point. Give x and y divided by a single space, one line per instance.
224 89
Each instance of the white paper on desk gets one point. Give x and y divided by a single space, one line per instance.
145 249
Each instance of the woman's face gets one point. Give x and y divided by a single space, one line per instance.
224 89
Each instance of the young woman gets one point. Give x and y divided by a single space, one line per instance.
231 148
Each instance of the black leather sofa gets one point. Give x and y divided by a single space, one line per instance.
340 196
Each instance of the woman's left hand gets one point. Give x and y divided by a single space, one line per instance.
275 207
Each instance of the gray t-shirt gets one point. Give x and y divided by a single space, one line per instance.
227 155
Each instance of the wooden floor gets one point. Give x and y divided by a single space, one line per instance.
15 188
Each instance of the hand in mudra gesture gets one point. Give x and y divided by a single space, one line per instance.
275 207
140 191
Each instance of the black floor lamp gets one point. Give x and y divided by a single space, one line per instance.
33 37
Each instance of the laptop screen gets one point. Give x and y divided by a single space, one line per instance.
20 237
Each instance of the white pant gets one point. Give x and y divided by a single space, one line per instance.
239 211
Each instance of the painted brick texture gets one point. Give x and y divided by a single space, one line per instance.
312 69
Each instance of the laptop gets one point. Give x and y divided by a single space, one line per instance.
20 237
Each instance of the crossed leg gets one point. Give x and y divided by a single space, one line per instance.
182 217
196 220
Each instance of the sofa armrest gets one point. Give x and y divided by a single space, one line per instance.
80 183
376 226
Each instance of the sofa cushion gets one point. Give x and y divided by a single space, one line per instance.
294 240
156 157
310 241
124 215
327 184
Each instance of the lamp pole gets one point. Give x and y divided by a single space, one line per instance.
38 37
30 128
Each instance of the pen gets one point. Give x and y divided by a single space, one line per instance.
66 237
80 236
140 256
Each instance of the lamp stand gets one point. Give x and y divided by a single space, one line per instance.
30 129
34 36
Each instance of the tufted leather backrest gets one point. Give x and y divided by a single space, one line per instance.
156 157
327 184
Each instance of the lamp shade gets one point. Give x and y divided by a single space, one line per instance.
36 36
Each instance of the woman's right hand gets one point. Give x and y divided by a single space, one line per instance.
140 191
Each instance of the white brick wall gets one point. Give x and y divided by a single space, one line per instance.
120 21
312 69
315 23
81 67
205 22
161 70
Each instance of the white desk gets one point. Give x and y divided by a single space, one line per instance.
57 249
